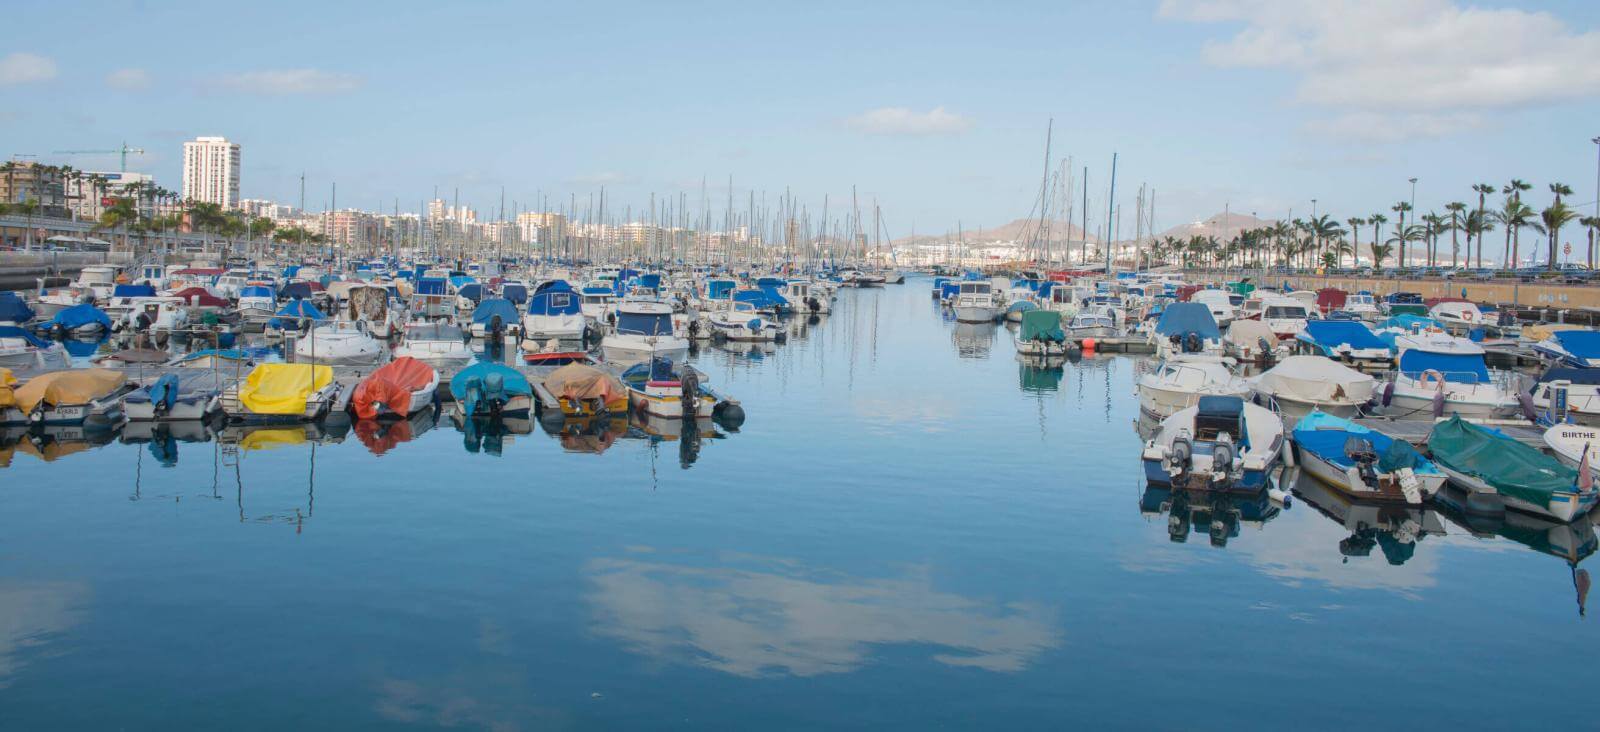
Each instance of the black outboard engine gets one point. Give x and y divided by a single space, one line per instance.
1192 343
689 385
1266 351
1361 451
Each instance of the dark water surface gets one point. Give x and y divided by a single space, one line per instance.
910 531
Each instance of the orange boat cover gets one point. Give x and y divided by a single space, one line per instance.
391 386
576 381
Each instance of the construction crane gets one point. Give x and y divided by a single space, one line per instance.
123 151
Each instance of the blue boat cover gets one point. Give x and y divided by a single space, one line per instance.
555 298
759 298
14 309
1588 377
949 290
1332 333
294 290
1404 298
1325 436
1458 368
720 289
488 309
164 391
460 281
656 369
1181 318
1583 344
651 281
644 323
471 291
487 380
83 347
296 308
12 331
79 316
514 292
430 286
133 291
255 291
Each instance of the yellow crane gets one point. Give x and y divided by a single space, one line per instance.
123 151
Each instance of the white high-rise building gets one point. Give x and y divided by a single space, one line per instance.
211 171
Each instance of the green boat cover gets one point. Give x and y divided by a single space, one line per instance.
1042 325
1241 288
1511 467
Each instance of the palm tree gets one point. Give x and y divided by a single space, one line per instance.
1590 224
1379 253
1435 226
1553 218
1405 235
121 214
1514 215
28 207
1377 220
1355 222
1514 191
1482 189
1560 189
1478 223
1456 223
1401 208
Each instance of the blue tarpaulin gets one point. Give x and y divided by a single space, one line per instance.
487 381
1457 368
255 291
1182 318
488 309
471 291
514 292
1584 344
295 309
80 317
133 291
720 289
759 298
555 298
1335 333
13 309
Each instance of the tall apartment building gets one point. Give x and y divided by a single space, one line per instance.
34 182
211 171
542 228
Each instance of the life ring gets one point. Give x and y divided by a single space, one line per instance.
1432 376
1467 316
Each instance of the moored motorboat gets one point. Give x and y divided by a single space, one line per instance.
1486 461
662 388
1364 463
73 396
1440 374
1576 348
1348 341
1178 383
281 392
1301 384
1222 443
338 343
488 389
1040 334
644 330
178 395
395 390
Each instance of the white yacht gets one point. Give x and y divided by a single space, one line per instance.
339 342
644 330
976 302
435 343
1437 368
1178 384
554 311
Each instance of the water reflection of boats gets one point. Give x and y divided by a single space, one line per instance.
490 435
1040 374
753 350
50 443
163 437
592 435
1394 528
1571 541
254 437
1217 515
383 435
690 434
972 340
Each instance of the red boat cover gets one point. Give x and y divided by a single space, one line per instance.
199 297
391 386
1330 299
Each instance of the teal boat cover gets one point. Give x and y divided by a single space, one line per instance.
1512 468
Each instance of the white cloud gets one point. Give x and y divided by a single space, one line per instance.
1396 69
291 81
902 121
128 79
24 68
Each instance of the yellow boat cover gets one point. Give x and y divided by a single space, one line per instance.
283 388
8 383
1543 331
78 386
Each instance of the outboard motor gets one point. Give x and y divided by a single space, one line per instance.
1192 343
1222 457
1365 456
689 385
1267 351
1181 455
494 392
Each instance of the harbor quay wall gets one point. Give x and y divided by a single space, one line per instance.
1522 294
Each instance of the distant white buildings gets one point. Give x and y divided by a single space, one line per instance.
88 197
211 171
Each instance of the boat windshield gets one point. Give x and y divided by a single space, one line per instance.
644 324
1285 312
433 332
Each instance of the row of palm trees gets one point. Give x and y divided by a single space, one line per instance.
1322 240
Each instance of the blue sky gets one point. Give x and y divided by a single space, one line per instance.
935 110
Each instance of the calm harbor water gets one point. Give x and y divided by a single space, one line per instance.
911 530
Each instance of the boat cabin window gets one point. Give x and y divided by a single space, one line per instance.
644 324
1285 312
974 288
433 332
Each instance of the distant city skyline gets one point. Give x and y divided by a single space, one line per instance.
935 112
